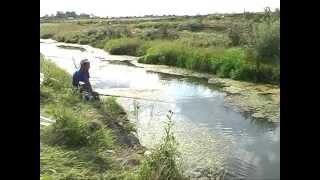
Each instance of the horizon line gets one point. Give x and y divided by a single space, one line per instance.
164 14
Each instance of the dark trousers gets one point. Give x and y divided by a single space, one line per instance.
86 93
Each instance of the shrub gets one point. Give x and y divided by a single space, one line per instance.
169 53
59 38
269 74
125 46
248 72
191 26
235 36
47 36
244 72
159 33
204 39
201 59
267 46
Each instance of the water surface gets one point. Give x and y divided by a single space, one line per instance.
210 134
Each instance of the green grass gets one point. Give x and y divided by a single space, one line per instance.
61 163
187 42
74 147
125 46
162 164
72 131
204 39
226 63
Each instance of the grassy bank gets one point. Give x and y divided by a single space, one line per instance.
92 140
227 63
243 47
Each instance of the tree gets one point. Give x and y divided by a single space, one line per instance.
60 14
277 12
83 15
267 14
71 14
267 43
265 46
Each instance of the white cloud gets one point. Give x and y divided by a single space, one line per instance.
156 7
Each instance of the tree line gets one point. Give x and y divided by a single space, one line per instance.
67 14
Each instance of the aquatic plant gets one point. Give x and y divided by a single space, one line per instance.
162 163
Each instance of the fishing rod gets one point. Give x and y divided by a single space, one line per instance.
74 63
155 100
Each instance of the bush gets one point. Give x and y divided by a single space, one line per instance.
204 39
191 26
100 43
248 72
201 59
228 62
125 46
159 33
245 72
235 36
236 63
269 74
47 36
267 46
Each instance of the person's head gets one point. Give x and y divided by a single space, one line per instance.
85 64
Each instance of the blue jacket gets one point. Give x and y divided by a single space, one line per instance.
80 76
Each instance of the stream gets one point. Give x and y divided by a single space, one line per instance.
211 135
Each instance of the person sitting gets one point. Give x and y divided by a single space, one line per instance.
80 80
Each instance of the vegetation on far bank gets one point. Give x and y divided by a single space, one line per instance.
85 143
243 47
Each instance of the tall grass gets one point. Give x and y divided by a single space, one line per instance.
161 164
267 45
93 34
214 60
54 76
204 39
62 163
126 46
226 63
74 147
72 130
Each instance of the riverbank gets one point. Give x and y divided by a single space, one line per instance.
261 101
91 140
112 149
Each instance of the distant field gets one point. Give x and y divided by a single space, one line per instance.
257 35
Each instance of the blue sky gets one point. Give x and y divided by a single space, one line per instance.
155 7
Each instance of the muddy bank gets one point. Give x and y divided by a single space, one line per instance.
71 47
261 101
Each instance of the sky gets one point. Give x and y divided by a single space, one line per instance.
116 8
